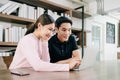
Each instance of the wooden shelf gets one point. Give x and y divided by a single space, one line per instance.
15 19
79 30
45 4
76 29
79 46
8 44
78 14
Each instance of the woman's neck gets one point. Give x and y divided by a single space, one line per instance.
36 34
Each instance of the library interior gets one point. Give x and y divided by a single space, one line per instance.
95 28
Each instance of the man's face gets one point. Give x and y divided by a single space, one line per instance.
64 32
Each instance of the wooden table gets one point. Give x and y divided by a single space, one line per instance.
109 70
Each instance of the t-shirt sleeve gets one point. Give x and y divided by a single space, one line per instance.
74 42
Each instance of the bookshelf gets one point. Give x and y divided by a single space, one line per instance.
14 19
46 4
78 31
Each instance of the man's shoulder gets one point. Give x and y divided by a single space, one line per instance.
71 38
53 38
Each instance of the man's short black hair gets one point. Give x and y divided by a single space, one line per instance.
61 20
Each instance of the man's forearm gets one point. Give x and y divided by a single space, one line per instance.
65 61
68 60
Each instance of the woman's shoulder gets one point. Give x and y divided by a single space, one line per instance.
28 38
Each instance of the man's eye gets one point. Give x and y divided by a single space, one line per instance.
50 29
63 30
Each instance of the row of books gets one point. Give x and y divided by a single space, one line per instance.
9 7
26 11
11 34
7 51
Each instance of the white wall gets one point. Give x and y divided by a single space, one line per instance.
93 8
109 50
111 5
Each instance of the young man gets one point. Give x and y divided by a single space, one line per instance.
62 46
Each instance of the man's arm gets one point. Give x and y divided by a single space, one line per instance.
75 55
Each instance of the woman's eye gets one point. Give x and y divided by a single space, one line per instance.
50 29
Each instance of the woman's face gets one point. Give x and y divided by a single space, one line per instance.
47 31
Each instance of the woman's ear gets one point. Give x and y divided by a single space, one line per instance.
39 25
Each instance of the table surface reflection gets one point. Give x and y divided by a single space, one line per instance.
108 70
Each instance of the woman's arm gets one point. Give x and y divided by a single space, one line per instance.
29 49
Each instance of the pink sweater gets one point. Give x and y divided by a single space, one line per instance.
32 52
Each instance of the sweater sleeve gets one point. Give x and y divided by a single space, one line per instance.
29 50
45 53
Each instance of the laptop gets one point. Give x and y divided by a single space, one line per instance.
89 58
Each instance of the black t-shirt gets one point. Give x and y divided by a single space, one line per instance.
61 50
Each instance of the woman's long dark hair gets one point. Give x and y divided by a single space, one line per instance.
44 19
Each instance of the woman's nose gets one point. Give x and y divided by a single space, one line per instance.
51 33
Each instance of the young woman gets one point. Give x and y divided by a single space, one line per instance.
32 50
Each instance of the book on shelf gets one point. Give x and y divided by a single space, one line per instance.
40 11
25 10
13 9
9 8
4 25
1 32
31 12
5 6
